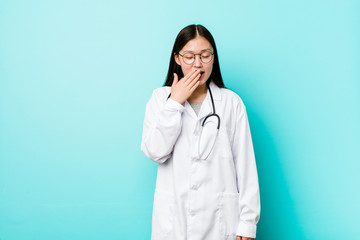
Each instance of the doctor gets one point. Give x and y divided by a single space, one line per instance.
207 183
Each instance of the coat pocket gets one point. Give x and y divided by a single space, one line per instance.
229 214
163 214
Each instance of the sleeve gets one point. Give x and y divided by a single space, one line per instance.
247 177
161 128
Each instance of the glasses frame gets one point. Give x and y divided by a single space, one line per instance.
182 55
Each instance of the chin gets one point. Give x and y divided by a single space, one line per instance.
202 82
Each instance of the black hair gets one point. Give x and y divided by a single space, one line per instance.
185 35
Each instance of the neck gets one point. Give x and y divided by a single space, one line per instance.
199 94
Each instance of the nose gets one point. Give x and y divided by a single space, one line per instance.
197 61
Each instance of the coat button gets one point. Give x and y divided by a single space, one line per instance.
194 187
192 213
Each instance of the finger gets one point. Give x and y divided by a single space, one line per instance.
193 78
195 86
190 76
193 82
238 238
176 79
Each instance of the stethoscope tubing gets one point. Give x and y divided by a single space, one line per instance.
213 114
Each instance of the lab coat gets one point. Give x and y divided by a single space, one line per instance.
213 199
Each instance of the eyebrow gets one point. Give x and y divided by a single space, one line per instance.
200 51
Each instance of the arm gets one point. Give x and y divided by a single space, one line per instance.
247 178
162 123
162 126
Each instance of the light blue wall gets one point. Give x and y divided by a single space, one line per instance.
74 80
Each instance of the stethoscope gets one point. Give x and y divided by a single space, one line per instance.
213 114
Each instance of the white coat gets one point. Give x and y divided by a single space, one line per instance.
194 199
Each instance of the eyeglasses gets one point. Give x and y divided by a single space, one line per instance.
205 57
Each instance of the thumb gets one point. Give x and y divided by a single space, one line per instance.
176 79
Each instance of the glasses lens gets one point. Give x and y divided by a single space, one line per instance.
206 57
188 58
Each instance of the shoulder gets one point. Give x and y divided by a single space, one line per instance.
161 91
234 102
230 96
159 95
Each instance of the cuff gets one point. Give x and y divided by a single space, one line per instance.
172 105
246 230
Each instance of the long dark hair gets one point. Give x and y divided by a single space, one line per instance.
185 35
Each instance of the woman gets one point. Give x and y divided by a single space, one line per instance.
207 184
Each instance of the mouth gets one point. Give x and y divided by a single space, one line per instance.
201 74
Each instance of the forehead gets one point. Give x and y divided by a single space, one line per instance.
197 44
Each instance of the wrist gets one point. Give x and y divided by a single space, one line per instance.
177 100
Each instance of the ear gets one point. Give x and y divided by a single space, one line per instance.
177 60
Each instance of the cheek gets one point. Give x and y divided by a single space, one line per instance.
209 69
185 69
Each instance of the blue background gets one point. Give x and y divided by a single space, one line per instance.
75 77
